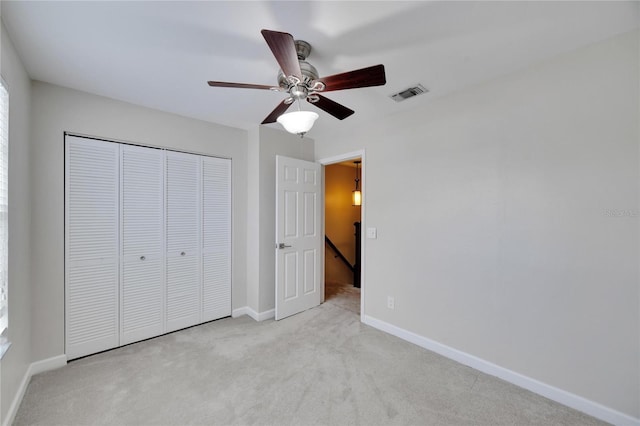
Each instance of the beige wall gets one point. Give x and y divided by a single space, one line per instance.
339 217
253 220
514 246
16 361
511 248
56 110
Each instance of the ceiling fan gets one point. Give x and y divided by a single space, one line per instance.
300 80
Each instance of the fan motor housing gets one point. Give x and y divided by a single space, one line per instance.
309 72
303 49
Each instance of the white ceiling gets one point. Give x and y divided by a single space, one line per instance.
160 54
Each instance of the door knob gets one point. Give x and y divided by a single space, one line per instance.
142 258
282 246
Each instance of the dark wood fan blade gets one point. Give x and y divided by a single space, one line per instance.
337 110
365 77
241 85
283 48
280 109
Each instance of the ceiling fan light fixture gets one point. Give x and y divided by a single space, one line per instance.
298 122
301 81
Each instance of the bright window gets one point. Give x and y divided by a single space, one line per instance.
4 238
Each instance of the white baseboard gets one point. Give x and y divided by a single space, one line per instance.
240 312
48 364
262 316
33 369
258 316
576 402
17 399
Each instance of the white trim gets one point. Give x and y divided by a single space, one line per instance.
253 314
323 208
15 404
574 401
47 364
342 157
5 344
33 369
4 190
145 145
245 310
271 313
240 312
363 246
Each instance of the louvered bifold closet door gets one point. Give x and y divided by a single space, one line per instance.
91 246
216 236
183 297
142 282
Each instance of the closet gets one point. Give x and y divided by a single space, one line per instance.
147 242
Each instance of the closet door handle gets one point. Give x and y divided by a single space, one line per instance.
142 258
182 254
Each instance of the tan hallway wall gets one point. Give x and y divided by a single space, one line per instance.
339 218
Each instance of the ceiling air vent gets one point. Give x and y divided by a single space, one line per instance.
410 92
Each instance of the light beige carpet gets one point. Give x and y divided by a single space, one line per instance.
320 367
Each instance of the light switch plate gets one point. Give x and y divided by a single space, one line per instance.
372 233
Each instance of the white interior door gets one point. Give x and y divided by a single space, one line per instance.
298 236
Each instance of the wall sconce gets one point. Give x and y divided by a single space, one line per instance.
356 195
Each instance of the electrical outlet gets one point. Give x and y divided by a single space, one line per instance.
390 302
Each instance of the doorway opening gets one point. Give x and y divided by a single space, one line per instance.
342 225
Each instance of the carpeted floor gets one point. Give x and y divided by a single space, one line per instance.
320 367
343 295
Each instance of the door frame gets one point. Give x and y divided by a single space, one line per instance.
363 182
